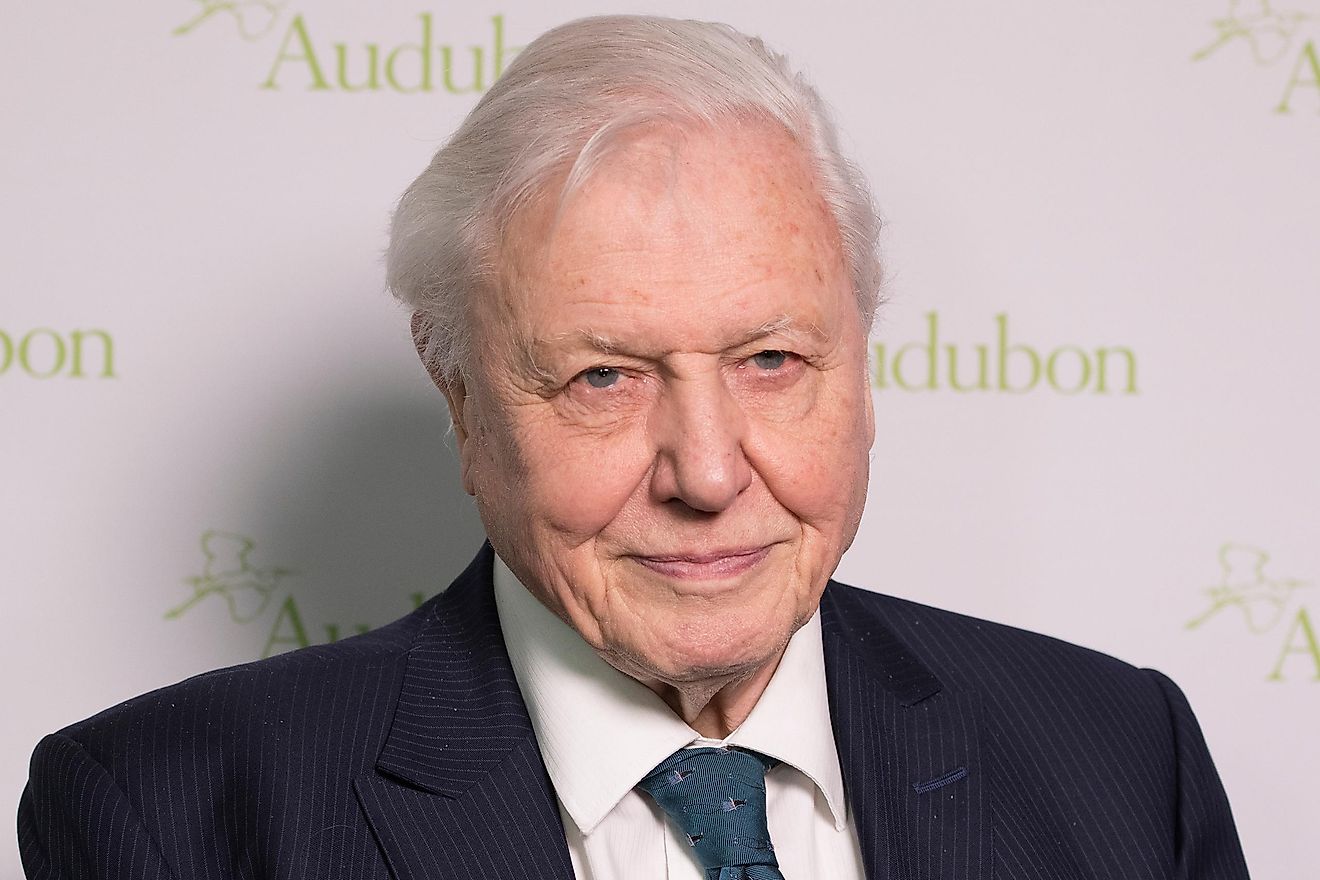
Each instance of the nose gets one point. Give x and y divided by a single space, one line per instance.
699 431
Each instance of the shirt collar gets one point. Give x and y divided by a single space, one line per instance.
601 731
791 721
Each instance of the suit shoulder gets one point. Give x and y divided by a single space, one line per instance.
1043 700
287 697
981 654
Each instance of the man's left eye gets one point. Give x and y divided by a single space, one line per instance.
601 377
770 360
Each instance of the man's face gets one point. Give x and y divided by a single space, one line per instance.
667 421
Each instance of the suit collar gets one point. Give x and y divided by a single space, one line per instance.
458 678
462 791
913 759
459 789
854 631
460 713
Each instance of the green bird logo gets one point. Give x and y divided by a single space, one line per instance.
1268 32
229 573
254 18
1244 585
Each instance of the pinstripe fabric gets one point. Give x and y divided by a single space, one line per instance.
243 772
461 789
969 750
1077 765
896 729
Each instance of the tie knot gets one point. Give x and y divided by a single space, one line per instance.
716 797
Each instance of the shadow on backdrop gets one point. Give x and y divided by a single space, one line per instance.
362 512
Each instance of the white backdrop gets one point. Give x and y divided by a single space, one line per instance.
215 443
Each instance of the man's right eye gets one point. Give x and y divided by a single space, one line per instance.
601 377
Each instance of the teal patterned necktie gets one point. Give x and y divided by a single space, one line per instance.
716 796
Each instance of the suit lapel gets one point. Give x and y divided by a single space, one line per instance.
459 789
910 751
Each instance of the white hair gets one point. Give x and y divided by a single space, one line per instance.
556 112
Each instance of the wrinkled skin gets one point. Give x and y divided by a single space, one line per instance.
667 423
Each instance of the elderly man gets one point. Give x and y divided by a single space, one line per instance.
642 275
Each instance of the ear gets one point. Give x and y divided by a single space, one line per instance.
421 334
456 396
459 411
870 411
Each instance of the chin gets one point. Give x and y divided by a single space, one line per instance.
696 654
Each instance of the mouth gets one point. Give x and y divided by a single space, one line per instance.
713 565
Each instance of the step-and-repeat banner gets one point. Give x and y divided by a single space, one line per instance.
1095 380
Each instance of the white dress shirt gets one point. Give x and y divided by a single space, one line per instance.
601 731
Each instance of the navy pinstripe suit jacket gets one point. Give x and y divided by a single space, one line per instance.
969 750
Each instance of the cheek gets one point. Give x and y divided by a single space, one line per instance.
818 467
567 482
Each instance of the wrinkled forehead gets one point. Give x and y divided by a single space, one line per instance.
707 229
748 179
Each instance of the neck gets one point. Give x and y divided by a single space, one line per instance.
716 708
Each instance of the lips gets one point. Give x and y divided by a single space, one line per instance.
705 566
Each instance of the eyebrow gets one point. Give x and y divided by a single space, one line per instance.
596 341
